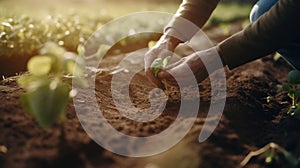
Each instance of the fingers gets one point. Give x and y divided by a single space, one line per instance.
166 76
181 71
175 64
154 80
153 54
162 50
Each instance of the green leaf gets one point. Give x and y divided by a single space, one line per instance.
46 102
297 93
25 80
165 62
156 66
26 104
39 65
285 87
294 77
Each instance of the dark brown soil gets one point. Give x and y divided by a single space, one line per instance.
248 123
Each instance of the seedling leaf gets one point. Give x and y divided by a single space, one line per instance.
46 102
39 65
165 62
294 77
297 93
156 66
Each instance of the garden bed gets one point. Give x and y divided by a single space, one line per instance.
248 123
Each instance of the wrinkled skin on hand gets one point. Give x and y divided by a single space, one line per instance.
194 63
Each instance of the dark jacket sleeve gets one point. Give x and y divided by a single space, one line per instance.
272 31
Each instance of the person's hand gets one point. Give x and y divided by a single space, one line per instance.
181 70
163 48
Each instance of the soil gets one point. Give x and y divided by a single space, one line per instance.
248 123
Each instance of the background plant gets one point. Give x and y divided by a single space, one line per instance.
48 84
272 151
293 91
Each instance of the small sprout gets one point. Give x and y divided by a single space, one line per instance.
293 91
165 62
269 99
156 66
47 92
159 64
271 151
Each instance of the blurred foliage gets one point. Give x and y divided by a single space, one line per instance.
22 35
48 84
229 12
25 26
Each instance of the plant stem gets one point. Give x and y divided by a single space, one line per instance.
260 151
293 97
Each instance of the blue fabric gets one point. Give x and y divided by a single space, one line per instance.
291 53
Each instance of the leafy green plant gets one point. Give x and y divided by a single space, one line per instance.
172 92
48 84
271 152
159 64
293 90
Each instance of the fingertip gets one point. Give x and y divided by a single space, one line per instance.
163 75
153 79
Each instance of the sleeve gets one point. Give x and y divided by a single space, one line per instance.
190 17
272 31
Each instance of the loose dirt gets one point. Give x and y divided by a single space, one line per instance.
248 123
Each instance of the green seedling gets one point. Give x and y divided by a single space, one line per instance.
48 84
159 64
271 152
293 90
172 92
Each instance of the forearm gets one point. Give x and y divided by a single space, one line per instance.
272 31
190 16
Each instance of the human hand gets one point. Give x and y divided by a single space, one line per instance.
163 48
195 63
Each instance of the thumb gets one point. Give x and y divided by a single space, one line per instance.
166 76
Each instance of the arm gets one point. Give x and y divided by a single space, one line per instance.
190 11
191 15
274 29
